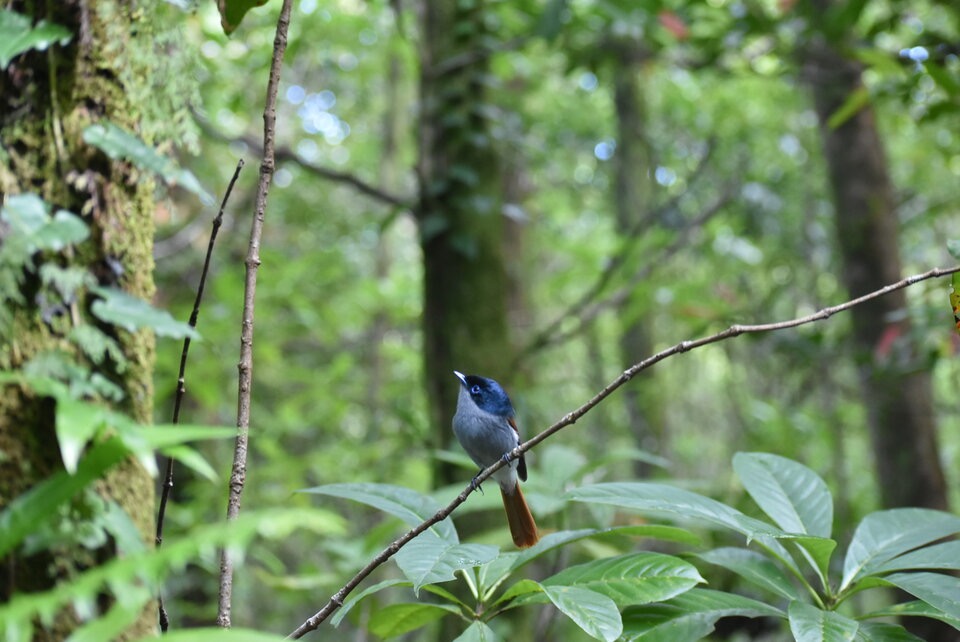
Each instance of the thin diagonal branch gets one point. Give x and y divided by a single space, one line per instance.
181 377
238 471
571 418
286 154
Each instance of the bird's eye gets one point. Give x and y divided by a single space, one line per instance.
475 390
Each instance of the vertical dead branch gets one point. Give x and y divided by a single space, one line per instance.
181 378
239 470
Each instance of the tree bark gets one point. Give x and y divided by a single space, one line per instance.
895 382
47 98
459 215
633 167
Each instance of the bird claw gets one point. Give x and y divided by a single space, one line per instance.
475 485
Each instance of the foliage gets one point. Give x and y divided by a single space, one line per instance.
17 35
652 595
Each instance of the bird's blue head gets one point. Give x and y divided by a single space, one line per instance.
487 394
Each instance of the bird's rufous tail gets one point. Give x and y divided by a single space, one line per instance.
522 527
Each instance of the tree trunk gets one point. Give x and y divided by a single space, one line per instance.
459 215
47 98
632 191
895 382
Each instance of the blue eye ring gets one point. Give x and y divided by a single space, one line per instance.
475 390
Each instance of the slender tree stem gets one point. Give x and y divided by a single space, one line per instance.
238 471
181 377
570 418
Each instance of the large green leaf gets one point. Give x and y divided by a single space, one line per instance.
130 313
356 598
794 497
17 35
478 632
884 632
684 505
917 608
883 535
397 619
491 575
409 505
427 558
756 568
117 142
637 578
939 590
945 555
593 612
810 624
690 616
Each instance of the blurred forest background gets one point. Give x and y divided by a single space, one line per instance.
546 193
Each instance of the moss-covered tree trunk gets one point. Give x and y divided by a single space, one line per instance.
459 214
47 99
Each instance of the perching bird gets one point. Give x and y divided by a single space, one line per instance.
486 428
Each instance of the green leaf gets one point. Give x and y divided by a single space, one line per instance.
593 612
151 565
794 497
637 578
124 612
945 555
29 218
953 247
755 568
17 35
883 632
397 619
130 313
428 559
478 632
356 598
117 142
936 589
810 624
409 505
690 616
77 422
683 505
233 11
858 99
945 79
916 608
883 535
193 460
216 634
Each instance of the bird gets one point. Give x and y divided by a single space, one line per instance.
485 425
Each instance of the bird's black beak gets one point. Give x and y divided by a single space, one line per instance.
462 377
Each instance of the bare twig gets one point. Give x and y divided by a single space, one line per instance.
181 378
286 154
571 418
238 471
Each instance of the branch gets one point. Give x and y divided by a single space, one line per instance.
570 418
587 308
286 154
238 471
181 378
